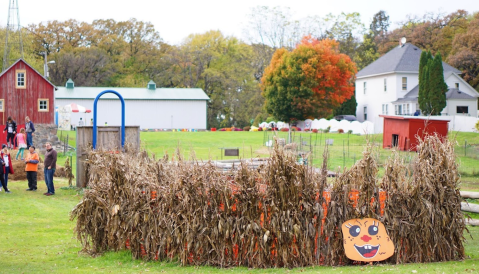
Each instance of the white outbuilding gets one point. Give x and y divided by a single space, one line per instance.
149 107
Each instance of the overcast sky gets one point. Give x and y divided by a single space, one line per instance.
176 19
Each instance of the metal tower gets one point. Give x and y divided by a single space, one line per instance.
13 36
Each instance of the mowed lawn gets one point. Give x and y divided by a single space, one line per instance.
36 236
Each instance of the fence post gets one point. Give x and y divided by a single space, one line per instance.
465 148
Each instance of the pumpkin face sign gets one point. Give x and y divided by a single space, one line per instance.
366 240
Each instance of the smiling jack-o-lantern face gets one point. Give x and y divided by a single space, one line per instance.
366 240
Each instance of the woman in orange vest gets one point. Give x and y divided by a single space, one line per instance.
31 168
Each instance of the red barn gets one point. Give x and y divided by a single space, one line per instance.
25 92
402 131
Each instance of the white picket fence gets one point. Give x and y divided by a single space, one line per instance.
334 125
456 123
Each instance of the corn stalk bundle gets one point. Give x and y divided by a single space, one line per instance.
423 213
354 195
280 215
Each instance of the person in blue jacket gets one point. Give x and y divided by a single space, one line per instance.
29 129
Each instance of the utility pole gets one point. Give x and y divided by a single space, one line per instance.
13 36
45 64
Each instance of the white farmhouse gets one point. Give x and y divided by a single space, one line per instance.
390 86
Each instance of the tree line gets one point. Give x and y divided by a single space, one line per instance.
229 69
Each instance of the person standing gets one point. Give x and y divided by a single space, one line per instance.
50 164
29 129
2 178
11 128
7 167
31 168
21 143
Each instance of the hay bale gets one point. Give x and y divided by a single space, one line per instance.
21 175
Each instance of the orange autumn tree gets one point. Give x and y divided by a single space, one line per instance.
308 82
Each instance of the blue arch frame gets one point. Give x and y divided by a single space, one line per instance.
95 103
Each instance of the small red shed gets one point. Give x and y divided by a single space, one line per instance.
25 92
402 131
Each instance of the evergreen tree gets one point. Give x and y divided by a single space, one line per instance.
347 108
421 96
424 104
437 87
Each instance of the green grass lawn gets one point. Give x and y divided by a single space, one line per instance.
36 236
344 152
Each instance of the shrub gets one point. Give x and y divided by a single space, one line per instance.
350 131
340 130
293 128
315 130
270 119
327 129
246 128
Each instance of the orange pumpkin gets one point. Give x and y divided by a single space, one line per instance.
366 240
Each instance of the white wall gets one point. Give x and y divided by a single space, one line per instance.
375 96
457 122
151 114
451 107
412 81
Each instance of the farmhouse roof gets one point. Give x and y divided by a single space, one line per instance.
452 93
132 93
20 59
400 59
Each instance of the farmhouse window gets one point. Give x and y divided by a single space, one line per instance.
462 109
385 84
20 78
365 87
398 109
457 85
404 83
43 104
385 109
2 104
365 113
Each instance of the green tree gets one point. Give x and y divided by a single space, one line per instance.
423 99
347 108
438 87
432 87
222 66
